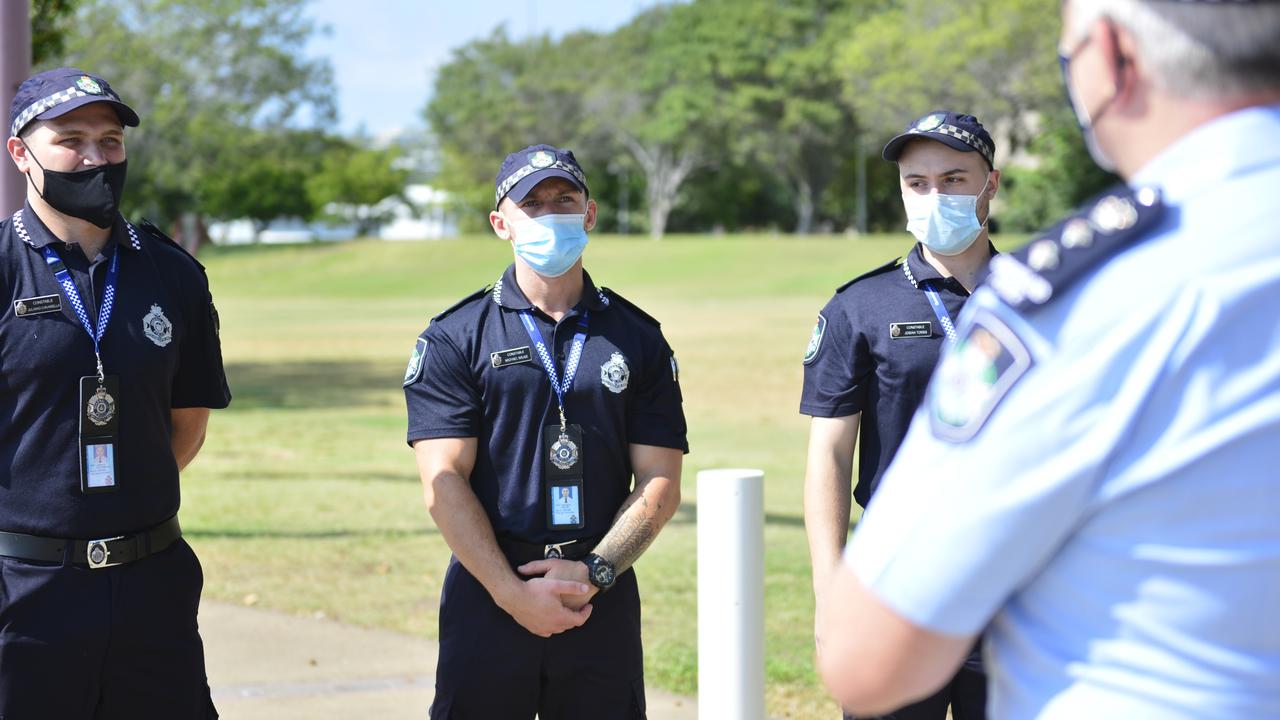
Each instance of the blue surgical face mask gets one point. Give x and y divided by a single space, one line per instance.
946 224
550 244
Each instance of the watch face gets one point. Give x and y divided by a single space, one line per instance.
602 574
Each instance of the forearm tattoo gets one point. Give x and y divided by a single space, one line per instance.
631 533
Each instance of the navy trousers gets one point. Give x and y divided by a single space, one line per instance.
491 668
116 643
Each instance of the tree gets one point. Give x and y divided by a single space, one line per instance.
49 27
205 76
353 181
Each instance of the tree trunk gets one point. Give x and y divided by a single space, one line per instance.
804 207
665 170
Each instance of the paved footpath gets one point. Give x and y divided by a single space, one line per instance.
267 665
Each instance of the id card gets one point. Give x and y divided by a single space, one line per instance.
562 467
97 465
99 425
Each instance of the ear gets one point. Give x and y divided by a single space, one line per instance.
1118 50
994 181
18 153
589 222
498 222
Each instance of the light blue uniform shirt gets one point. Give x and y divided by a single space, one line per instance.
1116 518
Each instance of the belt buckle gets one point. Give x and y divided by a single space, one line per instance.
555 551
99 555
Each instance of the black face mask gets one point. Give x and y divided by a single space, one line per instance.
93 195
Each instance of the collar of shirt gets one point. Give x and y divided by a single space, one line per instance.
32 231
1213 152
507 293
919 269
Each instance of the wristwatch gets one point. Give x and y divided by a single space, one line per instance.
599 571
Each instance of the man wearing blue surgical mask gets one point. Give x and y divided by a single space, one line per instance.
877 342
545 415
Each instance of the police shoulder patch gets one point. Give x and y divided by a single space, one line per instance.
414 370
815 339
973 376
1064 254
613 295
470 298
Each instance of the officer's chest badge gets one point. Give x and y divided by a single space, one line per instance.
615 374
157 327
101 407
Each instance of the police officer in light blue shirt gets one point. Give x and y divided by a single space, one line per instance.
1109 418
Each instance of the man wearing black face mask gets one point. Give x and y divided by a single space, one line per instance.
110 361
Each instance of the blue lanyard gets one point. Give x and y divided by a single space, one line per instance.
940 310
571 365
73 296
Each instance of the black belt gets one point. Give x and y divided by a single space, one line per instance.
522 552
104 552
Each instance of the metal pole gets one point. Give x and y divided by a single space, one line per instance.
15 65
731 595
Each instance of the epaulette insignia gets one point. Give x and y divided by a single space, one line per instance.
609 294
1057 258
150 228
891 265
477 294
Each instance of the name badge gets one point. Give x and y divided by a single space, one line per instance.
514 356
911 330
37 305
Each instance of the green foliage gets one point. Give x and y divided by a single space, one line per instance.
1063 178
49 26
351 180
200 73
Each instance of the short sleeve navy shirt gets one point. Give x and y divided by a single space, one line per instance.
874 348
172 361
454 387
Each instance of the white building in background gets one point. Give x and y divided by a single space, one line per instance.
427 215
423 214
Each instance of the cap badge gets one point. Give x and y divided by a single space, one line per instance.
930 123
89 85
542 159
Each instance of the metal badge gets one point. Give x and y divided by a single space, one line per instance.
514 356
102 407
564 453
1114 214
1077 234
921 329
615 374
157 327
37 305
1043 255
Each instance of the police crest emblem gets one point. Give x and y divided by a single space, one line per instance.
89 85
542 159
615 374
157 327
102 407
931 122
974 376
414 369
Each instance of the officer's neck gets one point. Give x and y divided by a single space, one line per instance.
555 296
965 266
91 238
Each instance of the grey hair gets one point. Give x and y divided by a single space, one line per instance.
1196 50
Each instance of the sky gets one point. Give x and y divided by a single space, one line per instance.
385 53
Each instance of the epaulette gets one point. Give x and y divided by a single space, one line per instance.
150 228
891 265
477 294
613 295
1063 254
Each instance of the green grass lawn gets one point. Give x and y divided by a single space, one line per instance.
306 498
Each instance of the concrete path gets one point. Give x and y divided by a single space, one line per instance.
266 665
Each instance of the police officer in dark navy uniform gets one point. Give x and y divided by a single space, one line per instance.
545 414
109 361
877 341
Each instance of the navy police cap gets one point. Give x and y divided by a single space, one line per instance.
57 92
962 132
523 169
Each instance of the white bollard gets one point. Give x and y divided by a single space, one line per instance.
731 595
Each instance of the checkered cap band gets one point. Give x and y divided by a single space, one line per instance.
967 138
52 101
528 170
